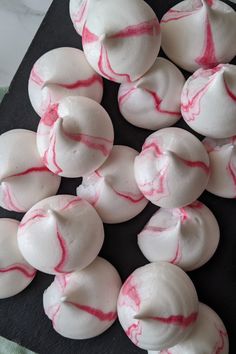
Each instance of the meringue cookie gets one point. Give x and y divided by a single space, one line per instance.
222 154
112 189
157 306
172 169
75 137
24 178
187 237
126 43
78 13
82 304
60 234
60 73
199 33
208 336
153 101
15 273
208 101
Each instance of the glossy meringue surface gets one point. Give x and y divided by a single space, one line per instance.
112 188
60 234
25 180
222 154
199 33
209 335
15 273
153 101
126 43
208 101
187 236
59 73
75 137
172 169
82 304
157 306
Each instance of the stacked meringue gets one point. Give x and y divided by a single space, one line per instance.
62 235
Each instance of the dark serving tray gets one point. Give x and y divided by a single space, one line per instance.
22 317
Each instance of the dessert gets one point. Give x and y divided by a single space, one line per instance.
60 234
82 304
126 43
78 13
25 180
208 336
199 33
153 101
60 73
157 306
15 273
187 236
112 188
172 169
75 137
222 154
208 101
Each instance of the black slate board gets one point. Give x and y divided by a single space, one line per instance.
21 317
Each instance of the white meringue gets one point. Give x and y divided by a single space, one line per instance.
199 33
60 73
172 169
222 154
126 43
25 180
187 237
75 137
112 189
60 234
153 101
208 336
78 13
208 101
82 304
157 306
15 273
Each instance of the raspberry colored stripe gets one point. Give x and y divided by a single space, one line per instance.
155 229
51 115
104 64
129 289
8 199
52 145
126 95
71 203
174 15
31 170
92 142
38 215
152 145
230 93
221 345
82 83
208 58
80 14
196 164
102 316
232 173
177 320
132 198
89 37
54 314
63 248
34 76
140 29
158 101
177 256
183 214
19 268
134 331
